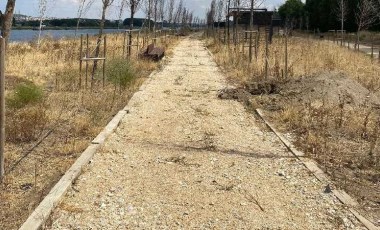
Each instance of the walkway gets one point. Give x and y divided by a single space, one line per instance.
184 159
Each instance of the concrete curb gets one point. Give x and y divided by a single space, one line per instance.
319 174
41 214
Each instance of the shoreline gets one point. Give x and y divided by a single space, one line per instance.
64 28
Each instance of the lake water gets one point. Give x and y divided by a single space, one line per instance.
30 35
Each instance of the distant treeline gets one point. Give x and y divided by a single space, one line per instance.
86 23
321 14
324 14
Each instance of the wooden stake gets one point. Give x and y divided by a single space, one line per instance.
104 61
286 54
80 61
87 56
125 39
372 54
2 107
266 53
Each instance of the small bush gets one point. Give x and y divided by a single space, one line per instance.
120 72
25 94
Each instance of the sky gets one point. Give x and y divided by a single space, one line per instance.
68 8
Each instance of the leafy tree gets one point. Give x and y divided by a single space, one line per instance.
292 12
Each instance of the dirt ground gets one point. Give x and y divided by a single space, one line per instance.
325 116
183 158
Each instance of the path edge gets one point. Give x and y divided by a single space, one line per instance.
42 212
313 167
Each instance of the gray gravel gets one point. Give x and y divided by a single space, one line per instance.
183 159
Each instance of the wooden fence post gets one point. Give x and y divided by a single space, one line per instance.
87 56
124 42
104 61
2 106
286 54
372 51
80 61
266 53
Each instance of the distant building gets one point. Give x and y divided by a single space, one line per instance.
241 17
261 17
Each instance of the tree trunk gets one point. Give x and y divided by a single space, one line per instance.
131 28
7 20
99 40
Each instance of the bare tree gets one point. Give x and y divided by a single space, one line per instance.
7 19
211 14
365 16
147 9
184 17
190 18
84 6
342 16
105 5
178 12
133 7
170 11
121 12
161 11
155 17
42 6
220 10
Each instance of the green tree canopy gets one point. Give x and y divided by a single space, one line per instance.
292 11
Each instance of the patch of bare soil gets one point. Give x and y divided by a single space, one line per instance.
329 88
334 120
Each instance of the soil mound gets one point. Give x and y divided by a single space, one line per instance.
329 88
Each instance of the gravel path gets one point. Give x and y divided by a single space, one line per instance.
184 159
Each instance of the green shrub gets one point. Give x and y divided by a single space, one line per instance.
25 94
120 72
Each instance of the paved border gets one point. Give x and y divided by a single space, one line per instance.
312 166
41 214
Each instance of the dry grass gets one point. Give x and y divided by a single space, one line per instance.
72 116
343 137
305 58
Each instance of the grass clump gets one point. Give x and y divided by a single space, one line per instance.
25 94
120 72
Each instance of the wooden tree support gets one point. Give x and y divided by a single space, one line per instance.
85 57
250 38
2 107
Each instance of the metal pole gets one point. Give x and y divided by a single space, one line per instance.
2 106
